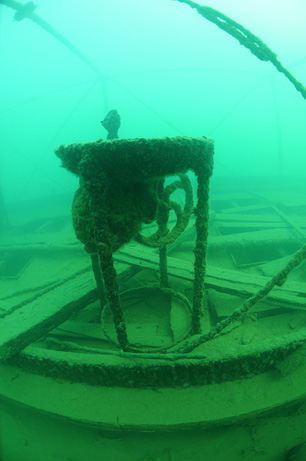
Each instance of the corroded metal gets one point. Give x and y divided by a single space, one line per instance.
122 187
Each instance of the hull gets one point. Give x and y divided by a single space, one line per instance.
67 394
259 417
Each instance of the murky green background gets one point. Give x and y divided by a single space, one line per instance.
167 71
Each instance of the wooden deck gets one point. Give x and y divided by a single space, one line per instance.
251 238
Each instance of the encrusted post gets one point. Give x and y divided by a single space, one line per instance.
201 226
112 293
99 282
103 243
162 220
163 270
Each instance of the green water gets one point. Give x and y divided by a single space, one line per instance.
168 72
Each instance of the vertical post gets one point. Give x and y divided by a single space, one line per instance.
164 281
162 220
201 225
112 292
104 248
99 282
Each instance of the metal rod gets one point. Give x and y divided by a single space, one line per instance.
201 226
99 282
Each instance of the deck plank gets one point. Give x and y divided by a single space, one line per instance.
293 294
35 319
32 321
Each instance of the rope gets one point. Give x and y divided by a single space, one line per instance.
279 279
246 39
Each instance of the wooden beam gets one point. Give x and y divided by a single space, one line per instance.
238 283
35 319
32 321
